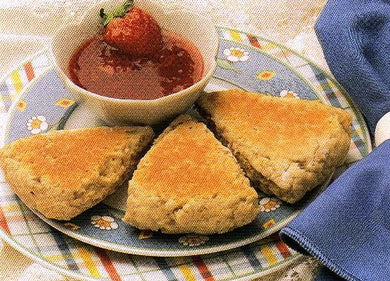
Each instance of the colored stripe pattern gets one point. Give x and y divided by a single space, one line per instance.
253 41
186 270
3 222
29 70
203 269
283 249
20 78
108 265
87 259
65 250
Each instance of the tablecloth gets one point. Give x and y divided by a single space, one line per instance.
26 27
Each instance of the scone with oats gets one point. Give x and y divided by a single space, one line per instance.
286 146
63 173
188 182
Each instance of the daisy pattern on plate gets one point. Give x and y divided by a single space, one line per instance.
268 204
193 240
37 124
104 222
236 54
288 94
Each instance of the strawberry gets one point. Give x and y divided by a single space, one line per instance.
132 30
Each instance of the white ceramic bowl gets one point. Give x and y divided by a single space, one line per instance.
196 28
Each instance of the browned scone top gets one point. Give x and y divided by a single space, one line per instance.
63 173
188 182
286 146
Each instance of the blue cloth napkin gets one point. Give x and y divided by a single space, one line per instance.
347 227
355 36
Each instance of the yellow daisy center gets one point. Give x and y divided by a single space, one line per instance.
237 53
104 223
36 123
270 204
289 95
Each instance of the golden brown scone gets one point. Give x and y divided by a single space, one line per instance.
188 182
286 146
63 173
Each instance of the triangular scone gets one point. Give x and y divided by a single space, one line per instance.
286 146
63 173
188 182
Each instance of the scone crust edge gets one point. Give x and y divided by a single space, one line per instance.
288 180
56 202
200 214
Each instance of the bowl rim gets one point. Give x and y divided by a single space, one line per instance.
85 93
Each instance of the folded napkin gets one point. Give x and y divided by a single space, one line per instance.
347 227
355 36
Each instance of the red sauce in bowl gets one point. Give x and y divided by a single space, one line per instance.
104 70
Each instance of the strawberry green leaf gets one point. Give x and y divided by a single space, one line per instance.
118 13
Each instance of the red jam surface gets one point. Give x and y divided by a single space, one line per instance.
104 70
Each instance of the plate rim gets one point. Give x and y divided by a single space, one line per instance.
77 274
155 252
